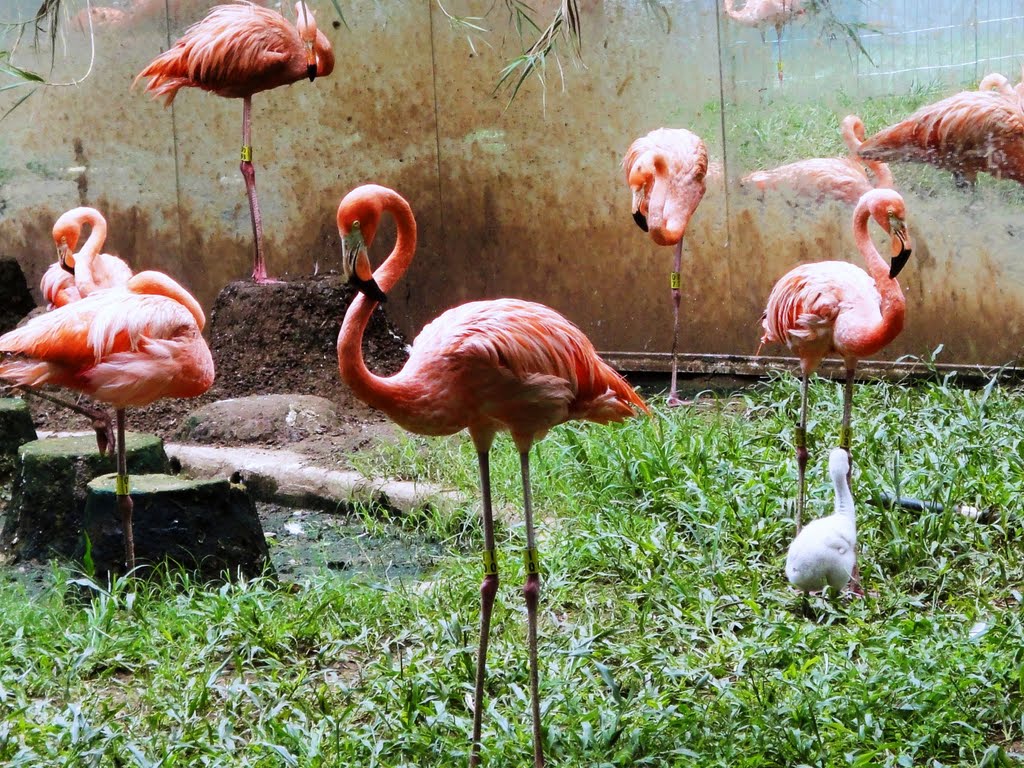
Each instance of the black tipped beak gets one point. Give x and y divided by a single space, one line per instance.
62 254
369 289
311 71
899 262
640 219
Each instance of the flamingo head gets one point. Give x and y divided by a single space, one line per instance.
65 236
358 216
306 26
663 199
889 211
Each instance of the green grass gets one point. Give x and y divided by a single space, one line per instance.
668 634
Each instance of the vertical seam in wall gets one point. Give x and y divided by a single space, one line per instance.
174 145
437 126
725 150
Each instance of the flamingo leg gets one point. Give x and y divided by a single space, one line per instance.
778 42
801 451
845 432
105 442
675 283
531 591
488 590
124 501
259 270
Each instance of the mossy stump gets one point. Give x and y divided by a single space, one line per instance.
47 506
207 527
16 429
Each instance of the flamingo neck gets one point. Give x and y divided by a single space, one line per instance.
893 307
324 55
153 283
378 392
85 278
844 498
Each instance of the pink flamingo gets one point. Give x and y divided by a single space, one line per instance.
666 172
966 133
765 13
836 307
236 51
485 366
839 178
75 275
127 346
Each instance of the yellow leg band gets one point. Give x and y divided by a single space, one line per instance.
800 438
490 563
674 281
532 561
845 437
121 485
246 154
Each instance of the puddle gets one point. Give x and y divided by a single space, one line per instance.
304 542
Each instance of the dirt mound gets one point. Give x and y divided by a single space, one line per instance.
282 338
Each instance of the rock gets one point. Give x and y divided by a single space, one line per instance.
207 527
48 499
16 429
15 299
261 419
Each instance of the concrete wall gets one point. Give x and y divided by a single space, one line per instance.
526 199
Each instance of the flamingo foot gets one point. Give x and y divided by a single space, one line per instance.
675 402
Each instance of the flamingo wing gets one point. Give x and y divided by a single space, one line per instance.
966 133
120 347
515 365
805 305
236 50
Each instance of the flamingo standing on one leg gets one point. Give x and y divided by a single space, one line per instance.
75 275
485 366
126 346
666 172
236 51
763 13
839 178
966 133
836 307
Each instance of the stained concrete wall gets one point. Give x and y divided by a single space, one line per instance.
526 199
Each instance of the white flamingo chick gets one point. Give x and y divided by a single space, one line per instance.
825 551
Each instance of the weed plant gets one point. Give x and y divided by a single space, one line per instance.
669 636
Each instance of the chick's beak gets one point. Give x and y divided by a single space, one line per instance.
355 265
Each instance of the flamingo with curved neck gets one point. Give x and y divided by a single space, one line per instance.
92 270
839 178
486 366
834 307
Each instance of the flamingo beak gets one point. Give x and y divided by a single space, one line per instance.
62 257
310 61
901 247
638 216
355 265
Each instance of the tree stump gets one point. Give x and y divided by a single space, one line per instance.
16 429
47 506
207 527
